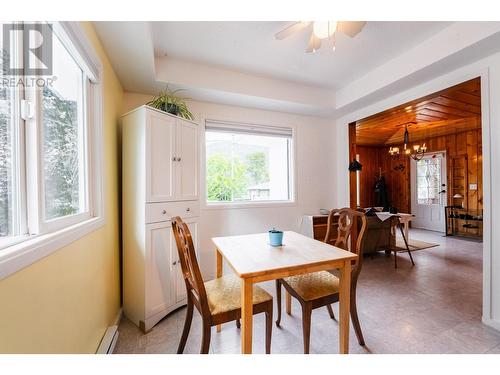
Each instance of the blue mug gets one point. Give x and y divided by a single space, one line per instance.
275 237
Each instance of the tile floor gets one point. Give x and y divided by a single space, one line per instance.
434 307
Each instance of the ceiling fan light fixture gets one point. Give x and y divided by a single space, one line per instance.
324 29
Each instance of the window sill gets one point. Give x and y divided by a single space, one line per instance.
23 254
255 204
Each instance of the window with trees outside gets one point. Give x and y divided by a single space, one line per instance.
248 163
45 183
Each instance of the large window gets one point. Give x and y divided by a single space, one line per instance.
6 167
46 123
63 129
247 163
9 149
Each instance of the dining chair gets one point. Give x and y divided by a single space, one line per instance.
319 289
218 301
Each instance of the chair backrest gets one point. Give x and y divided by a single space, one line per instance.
190 270
345 218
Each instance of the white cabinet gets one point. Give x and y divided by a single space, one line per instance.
186 152
172 148
160 168
160 162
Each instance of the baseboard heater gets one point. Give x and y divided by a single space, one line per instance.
109 340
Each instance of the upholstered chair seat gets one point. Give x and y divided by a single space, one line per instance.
224 294
314 285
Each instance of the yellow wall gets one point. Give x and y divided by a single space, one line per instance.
64 302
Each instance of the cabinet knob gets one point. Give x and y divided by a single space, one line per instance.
188 209
174 158
164 212
178 159
174 263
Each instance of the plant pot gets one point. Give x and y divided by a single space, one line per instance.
275 237
173 109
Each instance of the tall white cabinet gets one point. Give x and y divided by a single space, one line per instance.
160 174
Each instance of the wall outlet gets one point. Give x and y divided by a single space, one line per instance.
472 186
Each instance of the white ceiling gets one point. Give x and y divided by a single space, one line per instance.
240 63
250 47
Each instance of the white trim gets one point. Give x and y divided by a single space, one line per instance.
255 204
19 256
28 249
81 47
248 205
148 107
495 324
487 219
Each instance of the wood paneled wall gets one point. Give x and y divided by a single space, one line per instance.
398 181
369 158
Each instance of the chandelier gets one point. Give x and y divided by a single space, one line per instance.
416 152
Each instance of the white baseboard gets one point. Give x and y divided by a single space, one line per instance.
108 341
495 324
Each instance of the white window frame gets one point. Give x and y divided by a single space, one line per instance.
44 238
292 180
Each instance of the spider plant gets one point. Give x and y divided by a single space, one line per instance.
169 102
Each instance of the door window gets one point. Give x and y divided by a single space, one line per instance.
429 180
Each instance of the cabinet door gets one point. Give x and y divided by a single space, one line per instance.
160 171
180 290
160 270
187 167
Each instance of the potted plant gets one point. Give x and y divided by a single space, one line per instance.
169 102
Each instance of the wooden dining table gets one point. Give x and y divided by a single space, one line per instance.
253 260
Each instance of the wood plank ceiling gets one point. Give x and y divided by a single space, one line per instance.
450 111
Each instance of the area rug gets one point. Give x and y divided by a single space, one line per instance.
414 245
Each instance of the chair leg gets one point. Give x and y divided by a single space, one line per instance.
238 324
306 326
406 244
205 338
354 317
330 311
278 302
288 303
187 327
269 327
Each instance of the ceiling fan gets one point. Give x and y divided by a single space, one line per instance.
322 30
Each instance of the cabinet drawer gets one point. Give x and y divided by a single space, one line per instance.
156 212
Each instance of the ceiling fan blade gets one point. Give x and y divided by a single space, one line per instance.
351 28
294 27
314 44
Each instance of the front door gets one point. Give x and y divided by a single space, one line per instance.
428 192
